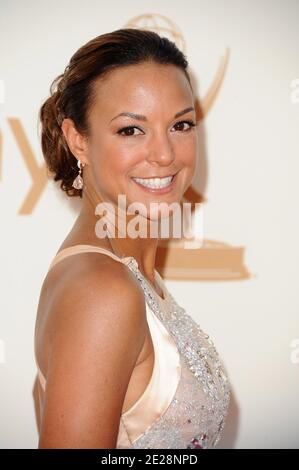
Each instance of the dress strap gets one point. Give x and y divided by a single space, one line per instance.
128 260
72 250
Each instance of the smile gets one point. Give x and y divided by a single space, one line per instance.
156 186
154 183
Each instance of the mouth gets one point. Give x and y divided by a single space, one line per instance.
156 185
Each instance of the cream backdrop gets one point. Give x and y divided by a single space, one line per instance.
249 178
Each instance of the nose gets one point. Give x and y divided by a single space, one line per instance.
160 151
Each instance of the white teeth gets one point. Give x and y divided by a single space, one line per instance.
154 183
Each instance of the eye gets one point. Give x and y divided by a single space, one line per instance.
128 131
190 123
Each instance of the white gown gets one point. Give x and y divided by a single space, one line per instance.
185 403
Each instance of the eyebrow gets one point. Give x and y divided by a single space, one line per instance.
140 117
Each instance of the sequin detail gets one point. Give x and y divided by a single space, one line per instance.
196 416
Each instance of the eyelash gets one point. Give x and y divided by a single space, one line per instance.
191 124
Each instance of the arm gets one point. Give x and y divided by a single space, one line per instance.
99 332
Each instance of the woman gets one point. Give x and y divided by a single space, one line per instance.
120 364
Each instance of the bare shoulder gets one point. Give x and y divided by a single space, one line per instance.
96 330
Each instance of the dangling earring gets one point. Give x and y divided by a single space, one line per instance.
78 181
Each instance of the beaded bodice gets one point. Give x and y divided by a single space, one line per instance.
196 415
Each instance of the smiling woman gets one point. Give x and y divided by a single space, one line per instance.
120 363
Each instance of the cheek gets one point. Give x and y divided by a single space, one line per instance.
126 159
188 155
112 159
125 155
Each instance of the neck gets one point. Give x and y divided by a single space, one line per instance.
86 227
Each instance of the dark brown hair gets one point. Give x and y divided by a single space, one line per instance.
71 93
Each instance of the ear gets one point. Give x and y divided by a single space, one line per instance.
77 142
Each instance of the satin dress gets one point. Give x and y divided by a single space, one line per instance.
185 404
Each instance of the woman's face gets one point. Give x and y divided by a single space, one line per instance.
156 145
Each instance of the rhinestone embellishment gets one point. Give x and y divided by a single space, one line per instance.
198 442
203 393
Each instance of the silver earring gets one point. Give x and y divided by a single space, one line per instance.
78 181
